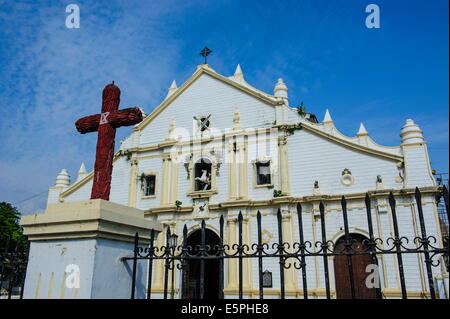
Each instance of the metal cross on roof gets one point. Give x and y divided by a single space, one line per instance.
205 52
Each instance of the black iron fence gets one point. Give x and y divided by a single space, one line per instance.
350 251
13 265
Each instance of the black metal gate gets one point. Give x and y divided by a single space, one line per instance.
177 257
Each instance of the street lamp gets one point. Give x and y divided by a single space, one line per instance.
173 239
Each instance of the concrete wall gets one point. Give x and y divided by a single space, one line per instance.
101 272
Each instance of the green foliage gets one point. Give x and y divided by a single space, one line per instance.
142 177
301 110
178 203
290 130
128 154
9 225
278 193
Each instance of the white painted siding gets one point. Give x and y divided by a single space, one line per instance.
417 167
208 96
314 158
83 193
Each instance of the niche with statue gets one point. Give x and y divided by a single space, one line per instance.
202 173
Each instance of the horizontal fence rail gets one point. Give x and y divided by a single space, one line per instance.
13 265
296 255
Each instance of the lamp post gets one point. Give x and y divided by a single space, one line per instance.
173 245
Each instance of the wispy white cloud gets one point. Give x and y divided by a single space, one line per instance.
51 75
57 75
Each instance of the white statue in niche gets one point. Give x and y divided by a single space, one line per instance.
205 179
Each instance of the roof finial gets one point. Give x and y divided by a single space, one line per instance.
236 120
411 133
81 172
63 179
281 90
238 71
170 134
327 117
173 88
362 130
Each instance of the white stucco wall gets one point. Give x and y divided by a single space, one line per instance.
208 96
102 274
314 158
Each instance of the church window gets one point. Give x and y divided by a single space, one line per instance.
203 175
149 185
263 176
203 122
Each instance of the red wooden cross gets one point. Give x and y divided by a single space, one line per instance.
106 124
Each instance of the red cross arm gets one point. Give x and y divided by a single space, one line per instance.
125 117
88 124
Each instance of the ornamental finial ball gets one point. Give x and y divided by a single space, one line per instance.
411 133
281 89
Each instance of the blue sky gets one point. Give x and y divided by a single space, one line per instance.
50 75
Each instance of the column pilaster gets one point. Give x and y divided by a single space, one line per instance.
132 188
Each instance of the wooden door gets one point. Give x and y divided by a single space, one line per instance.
342 274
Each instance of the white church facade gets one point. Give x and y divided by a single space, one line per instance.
217 146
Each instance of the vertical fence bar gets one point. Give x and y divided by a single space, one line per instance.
167 262
261 291
280 252
325 249
3 267
135 254
348 246
150 264
202 261
445 195
302 250
221 260
397 243
184 263
172 271
240 254
425 242
372 242
15 267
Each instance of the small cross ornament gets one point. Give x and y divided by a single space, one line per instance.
205 52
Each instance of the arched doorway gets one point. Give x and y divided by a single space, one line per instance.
359 262
191 280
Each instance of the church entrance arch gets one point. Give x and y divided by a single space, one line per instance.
191 280
359 263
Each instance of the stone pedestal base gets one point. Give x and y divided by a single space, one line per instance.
76 250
